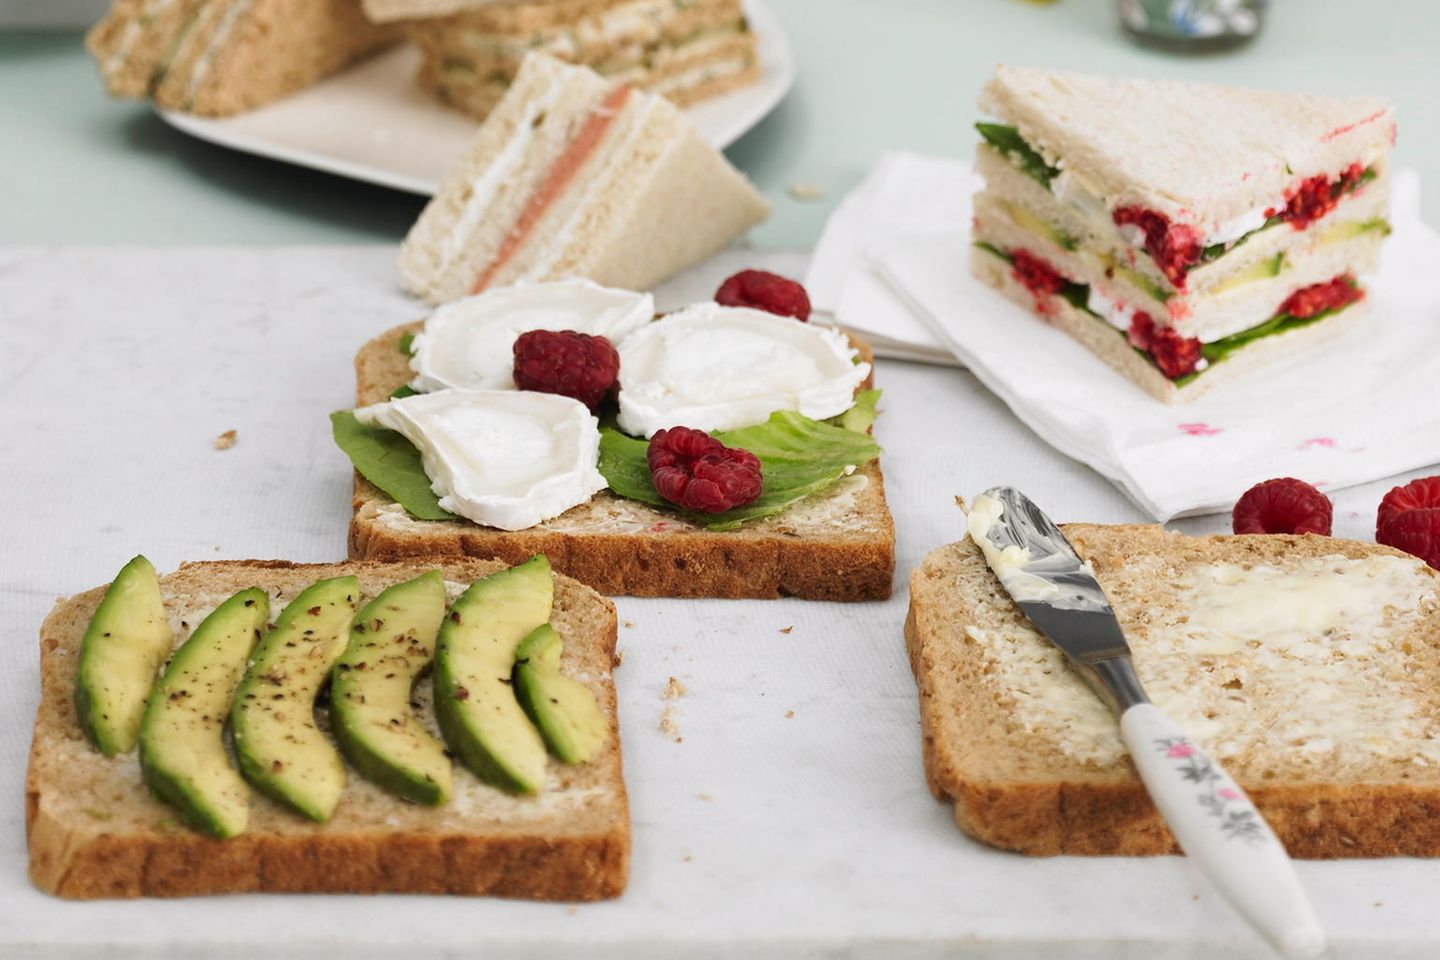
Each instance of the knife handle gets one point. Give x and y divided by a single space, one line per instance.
1220 830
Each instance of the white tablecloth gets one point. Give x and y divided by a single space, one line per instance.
761 835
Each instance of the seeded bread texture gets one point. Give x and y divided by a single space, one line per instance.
1016 788
95 831
1186 150
836 545
1111 346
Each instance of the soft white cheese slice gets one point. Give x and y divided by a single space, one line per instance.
502 458
717 368
470 343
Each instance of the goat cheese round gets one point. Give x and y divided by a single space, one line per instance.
502 458
470 343
717 368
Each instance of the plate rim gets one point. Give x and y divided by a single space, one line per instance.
775 54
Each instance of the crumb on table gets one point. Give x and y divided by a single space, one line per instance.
225 441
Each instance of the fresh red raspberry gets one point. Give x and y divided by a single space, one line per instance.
1417 532
1333 294
693 469
1035 273
571 364
1175 247
1422 494
1285 505
1174 354
765 291
1316 196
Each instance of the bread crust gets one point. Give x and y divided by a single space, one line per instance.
619 546
1073 809
499 846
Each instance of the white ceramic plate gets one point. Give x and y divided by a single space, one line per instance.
373 123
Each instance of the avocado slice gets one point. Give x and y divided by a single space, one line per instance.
280 749
1263 270
564 710
1026 220
474 660
391 642
1341 232
182 748
126 642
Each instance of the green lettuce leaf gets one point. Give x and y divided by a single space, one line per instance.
389 461
798 457
407 343
403 391
1008 141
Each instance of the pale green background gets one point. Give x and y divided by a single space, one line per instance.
76 167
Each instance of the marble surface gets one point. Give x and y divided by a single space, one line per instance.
874 76
761 835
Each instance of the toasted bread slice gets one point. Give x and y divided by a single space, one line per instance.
95 831
836 545
1332 731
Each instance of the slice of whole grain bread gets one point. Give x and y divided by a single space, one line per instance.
1338 747
95 831
836 545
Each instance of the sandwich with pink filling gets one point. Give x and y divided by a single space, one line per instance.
1186 233
573 175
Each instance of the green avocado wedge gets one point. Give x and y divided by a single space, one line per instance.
280 749
474 662
127 640
391 643
564 710
182 749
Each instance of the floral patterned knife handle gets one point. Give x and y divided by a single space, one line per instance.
1219 828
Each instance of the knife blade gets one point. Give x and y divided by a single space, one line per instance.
1212 819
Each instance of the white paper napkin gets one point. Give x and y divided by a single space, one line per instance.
1356 410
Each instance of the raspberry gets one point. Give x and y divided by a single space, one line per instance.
1417 532
765 291
693 469
1175 247
1316 196
1333 294
1285 505
1035 273
571 364
1422 494
1174 354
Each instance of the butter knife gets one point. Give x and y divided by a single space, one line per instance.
1213 820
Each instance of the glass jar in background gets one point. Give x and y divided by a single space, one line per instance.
1192 26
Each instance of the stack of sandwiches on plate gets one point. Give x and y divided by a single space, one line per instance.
472 49
220 57
1185 233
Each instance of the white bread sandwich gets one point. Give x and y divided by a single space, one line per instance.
472 49
238 770
220 57
574 176
1304 664
714 452
1186 233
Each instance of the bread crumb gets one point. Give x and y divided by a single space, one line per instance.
789 714
629 624
686 859
668 726
787 629
1379 903
806 192
960 502
572 910
674 689
225 441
